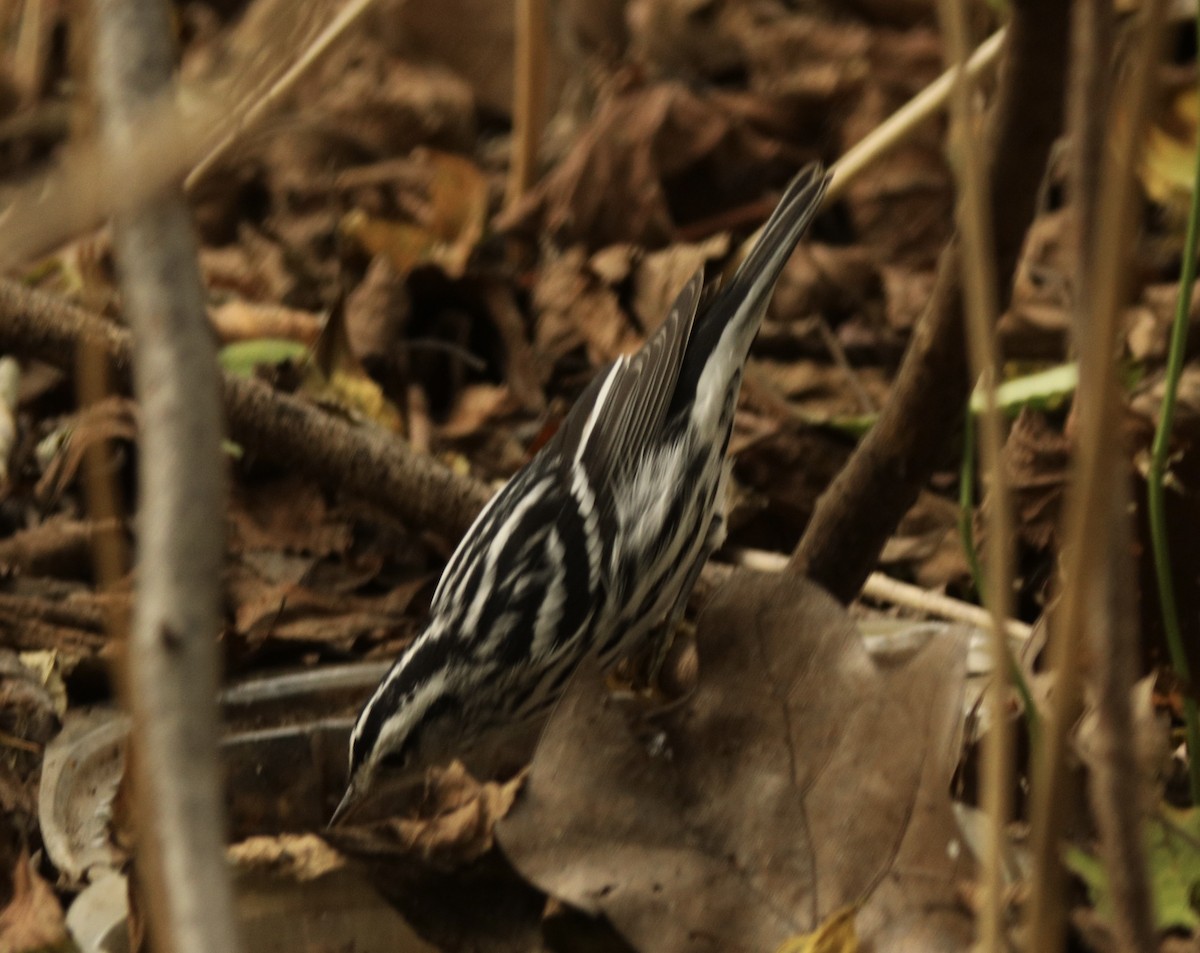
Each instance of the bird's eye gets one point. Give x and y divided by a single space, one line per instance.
396 760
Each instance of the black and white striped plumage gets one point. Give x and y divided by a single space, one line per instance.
590 547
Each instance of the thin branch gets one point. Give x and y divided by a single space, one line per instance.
369 464
1115 786
529 96
864 504
899 127
271 99
171 671
176 135
1095 573
56 547
974 224
885 589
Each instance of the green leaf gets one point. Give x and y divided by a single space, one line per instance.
242 357
1045 390
852 425
1173 853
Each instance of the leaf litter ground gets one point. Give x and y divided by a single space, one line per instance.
363 224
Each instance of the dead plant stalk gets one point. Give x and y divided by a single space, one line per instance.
1092 589
529 96
979 285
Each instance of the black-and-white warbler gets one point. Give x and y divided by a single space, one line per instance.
589 548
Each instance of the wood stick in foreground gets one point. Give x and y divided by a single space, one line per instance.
171 675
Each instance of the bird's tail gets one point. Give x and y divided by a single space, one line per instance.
725 328
750 289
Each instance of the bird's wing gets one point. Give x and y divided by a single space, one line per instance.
618 416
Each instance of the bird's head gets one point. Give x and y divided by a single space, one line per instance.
413 721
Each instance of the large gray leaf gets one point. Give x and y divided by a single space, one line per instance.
801 776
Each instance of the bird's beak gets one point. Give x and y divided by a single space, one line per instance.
348 804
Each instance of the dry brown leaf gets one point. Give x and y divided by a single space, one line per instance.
1151 738
254 269
288 612
789 465
456 826
295 856
614 264
246 321
477 406
927 543
452 225
33 920
805 60
479 47
661 275
908 293
798 779
376 313
289 515
363 105
902 208
335 377
1039 316
831 281
696 39
574 308
110 419
821 390
1147 401
525 370
635 170
1150 323
1037 458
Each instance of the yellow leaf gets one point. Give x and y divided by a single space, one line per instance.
835 935
333 375
454 225
1169 161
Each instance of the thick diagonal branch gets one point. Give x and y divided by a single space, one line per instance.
863 506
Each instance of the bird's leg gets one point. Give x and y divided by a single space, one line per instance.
714 538
651 671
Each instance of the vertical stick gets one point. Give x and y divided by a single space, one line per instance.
979 285
172 664
1096 523
529 95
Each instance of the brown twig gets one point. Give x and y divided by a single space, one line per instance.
865 503
974 226
60 548
529 96
371 465
899 127
64 624
1097 536
1113 623
171 670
